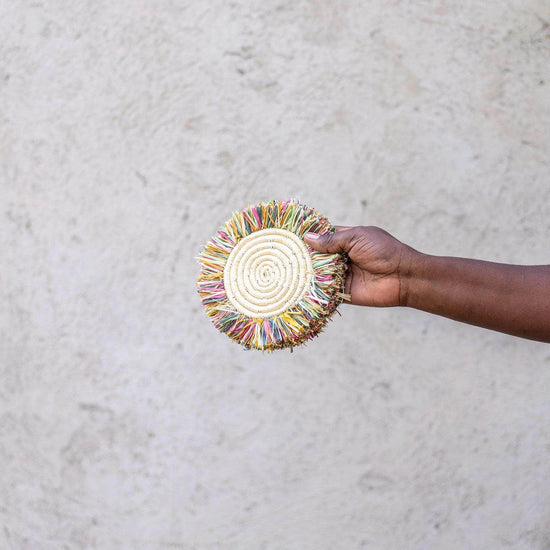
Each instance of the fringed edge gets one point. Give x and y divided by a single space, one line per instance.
298 324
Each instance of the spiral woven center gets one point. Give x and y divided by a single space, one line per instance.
267 272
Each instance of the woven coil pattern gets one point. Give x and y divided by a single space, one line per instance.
268 272
262 285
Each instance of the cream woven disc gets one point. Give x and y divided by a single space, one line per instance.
267 272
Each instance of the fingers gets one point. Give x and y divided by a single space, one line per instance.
331 243
348 282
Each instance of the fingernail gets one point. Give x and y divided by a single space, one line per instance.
312 236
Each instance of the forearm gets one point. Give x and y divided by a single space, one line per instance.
507 298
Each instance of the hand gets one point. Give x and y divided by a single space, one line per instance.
377 265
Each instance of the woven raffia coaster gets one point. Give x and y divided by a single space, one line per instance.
262 285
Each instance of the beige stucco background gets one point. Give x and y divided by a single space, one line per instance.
129 131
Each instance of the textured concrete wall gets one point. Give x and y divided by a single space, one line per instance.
128 132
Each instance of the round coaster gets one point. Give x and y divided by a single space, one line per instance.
262 285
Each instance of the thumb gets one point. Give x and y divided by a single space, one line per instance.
332 243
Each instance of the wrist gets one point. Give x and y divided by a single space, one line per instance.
410 268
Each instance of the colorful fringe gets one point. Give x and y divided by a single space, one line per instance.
299 323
